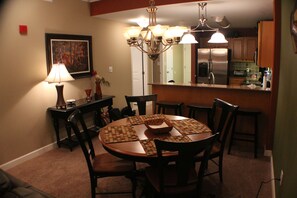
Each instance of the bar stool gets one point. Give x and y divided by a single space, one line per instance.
241 136
196 108
165 105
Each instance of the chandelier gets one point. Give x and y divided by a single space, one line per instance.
203 26
153 38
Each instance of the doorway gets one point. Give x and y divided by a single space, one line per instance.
176 64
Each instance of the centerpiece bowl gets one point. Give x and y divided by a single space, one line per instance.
158 126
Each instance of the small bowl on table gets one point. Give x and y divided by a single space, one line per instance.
158 126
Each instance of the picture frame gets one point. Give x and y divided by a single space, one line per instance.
293 27
75 51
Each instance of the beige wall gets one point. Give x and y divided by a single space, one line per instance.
25 123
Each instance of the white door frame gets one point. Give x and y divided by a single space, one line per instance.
139 64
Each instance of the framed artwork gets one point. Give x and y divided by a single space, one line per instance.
75 51
293 26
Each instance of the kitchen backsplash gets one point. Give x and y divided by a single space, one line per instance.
249 70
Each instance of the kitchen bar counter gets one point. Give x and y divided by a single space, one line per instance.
204 94
214 86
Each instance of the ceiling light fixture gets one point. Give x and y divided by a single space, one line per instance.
157 38
203 26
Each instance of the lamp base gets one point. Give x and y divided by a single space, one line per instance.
60 100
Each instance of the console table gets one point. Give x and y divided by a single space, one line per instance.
94 105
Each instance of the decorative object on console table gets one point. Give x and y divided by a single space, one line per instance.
59 74
88 93
98 81
98 93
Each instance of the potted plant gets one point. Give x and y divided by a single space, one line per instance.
99 80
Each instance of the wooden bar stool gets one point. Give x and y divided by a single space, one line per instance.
165 105
244 136
196 108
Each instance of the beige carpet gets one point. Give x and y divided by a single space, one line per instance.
64 174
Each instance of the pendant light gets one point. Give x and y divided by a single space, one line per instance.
203 26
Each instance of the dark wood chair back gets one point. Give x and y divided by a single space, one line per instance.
221 118
103 164
81 132
184 164
220 121
141 102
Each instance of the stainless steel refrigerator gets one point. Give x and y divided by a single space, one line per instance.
212 61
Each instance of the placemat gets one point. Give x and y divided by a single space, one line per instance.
139 119
115 134
190 126
150 148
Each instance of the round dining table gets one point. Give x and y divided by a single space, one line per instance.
133 149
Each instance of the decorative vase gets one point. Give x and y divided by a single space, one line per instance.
88 93
98 93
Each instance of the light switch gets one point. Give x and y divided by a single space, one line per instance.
110 69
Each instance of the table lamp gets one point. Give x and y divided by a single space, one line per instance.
59 74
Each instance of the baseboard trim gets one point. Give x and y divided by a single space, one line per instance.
272 176
268 153
28 156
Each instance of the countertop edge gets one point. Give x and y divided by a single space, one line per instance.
214 86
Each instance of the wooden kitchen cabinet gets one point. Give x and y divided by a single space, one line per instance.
243 48
266 44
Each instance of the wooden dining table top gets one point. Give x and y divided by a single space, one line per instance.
133 149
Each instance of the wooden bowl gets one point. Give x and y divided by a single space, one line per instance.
158 126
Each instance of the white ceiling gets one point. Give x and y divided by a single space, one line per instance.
240 13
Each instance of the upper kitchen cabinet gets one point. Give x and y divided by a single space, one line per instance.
266 44
243 48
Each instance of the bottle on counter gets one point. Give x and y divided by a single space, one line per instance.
264 83
268 73
267 76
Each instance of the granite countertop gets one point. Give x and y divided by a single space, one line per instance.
215 86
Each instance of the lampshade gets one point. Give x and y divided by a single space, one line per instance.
217 37
58 74
188 38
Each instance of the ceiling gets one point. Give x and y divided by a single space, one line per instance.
240 13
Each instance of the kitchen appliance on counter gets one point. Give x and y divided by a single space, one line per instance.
212 66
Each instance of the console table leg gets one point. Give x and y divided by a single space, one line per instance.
68 130
56 126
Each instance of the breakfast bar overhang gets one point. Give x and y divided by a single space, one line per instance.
247 97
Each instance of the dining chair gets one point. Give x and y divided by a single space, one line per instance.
220 121
179 178
141 103
100 165
115 114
